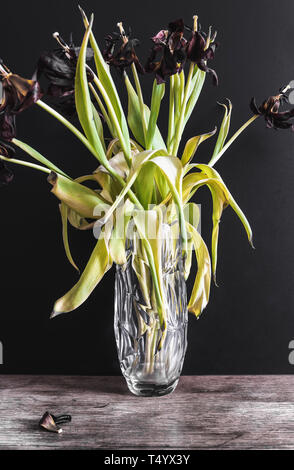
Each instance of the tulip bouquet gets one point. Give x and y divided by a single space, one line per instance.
140 174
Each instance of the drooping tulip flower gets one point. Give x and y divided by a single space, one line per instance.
18 94
59 67
270 109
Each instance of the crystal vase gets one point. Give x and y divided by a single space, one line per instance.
151 361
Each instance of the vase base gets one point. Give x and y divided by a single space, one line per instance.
145 389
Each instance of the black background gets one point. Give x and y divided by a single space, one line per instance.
249 321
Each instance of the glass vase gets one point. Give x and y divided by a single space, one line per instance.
150 363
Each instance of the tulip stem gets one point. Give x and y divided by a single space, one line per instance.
24 163
89 146
215 159
38 156
102 108
67 124
126 147
141 100
180 124
171 117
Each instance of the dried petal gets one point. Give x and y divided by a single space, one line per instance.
47 422
18 93
51 423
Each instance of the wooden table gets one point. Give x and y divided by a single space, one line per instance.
211 412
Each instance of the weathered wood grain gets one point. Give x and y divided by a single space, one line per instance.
215 412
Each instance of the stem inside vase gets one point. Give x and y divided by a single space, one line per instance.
148 370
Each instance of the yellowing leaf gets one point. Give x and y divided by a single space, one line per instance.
192 146
64 214
211 172
78 197
98 264
201 289
224 129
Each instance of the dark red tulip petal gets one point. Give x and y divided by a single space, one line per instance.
6 150
176 26
7 126
59 68
253 106
6 175
199 53
160 37
121 56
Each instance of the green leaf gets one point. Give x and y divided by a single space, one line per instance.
37 156
107 81
137 165
98 264
192 146
83 101
201 289
157 95
64 215
224 129
135 119
144 185
161 184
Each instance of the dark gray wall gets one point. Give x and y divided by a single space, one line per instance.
249 321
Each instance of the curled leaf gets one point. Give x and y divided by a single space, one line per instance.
64 219
224 129
192 146
78 197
